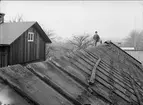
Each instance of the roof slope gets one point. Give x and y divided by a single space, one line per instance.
65 80
11 31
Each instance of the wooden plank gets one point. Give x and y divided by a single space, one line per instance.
31 47
11 54
0 60
3 56
93 74
106 68
19 49
136 91
16 52
103 70
38 45
30 85
87 72
22 48
34 44
44 51
66 66
12 98
26 46
98 76
65 82
28 50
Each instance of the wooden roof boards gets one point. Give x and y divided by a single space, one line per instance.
65 80
33 88
8 95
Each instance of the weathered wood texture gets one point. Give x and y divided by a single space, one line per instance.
30 87
64 80
4 56
22 51
8 96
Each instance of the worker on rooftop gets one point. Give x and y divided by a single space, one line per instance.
96 38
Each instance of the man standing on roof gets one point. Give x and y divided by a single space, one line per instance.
96 38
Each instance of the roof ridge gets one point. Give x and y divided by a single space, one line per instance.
11 31
20 22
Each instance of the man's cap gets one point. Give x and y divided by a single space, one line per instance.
95 31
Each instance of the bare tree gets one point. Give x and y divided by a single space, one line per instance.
50 33
81 42
67 50
135 39
50 48
18 18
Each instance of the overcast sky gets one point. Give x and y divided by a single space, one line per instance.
112 20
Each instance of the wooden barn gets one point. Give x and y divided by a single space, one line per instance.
21 42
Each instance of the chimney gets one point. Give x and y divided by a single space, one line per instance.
2 18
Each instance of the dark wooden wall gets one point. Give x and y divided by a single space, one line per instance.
22 51
4 56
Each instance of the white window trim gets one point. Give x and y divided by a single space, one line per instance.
30 36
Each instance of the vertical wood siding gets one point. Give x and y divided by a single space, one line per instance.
22 51
4 56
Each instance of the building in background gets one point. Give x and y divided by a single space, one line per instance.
137 54
21 42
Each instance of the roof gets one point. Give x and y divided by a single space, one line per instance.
117 79
11 31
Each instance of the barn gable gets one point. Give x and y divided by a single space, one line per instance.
9 32
24 51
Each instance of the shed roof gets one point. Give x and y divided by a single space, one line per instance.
11 31
65 80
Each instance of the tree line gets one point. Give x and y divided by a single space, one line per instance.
134 39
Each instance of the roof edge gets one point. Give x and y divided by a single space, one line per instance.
109 42
38 26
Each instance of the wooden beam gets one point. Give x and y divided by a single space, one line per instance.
136 90
92 78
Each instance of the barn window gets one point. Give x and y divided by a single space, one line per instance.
30 36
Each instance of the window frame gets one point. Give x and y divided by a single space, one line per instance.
30 36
